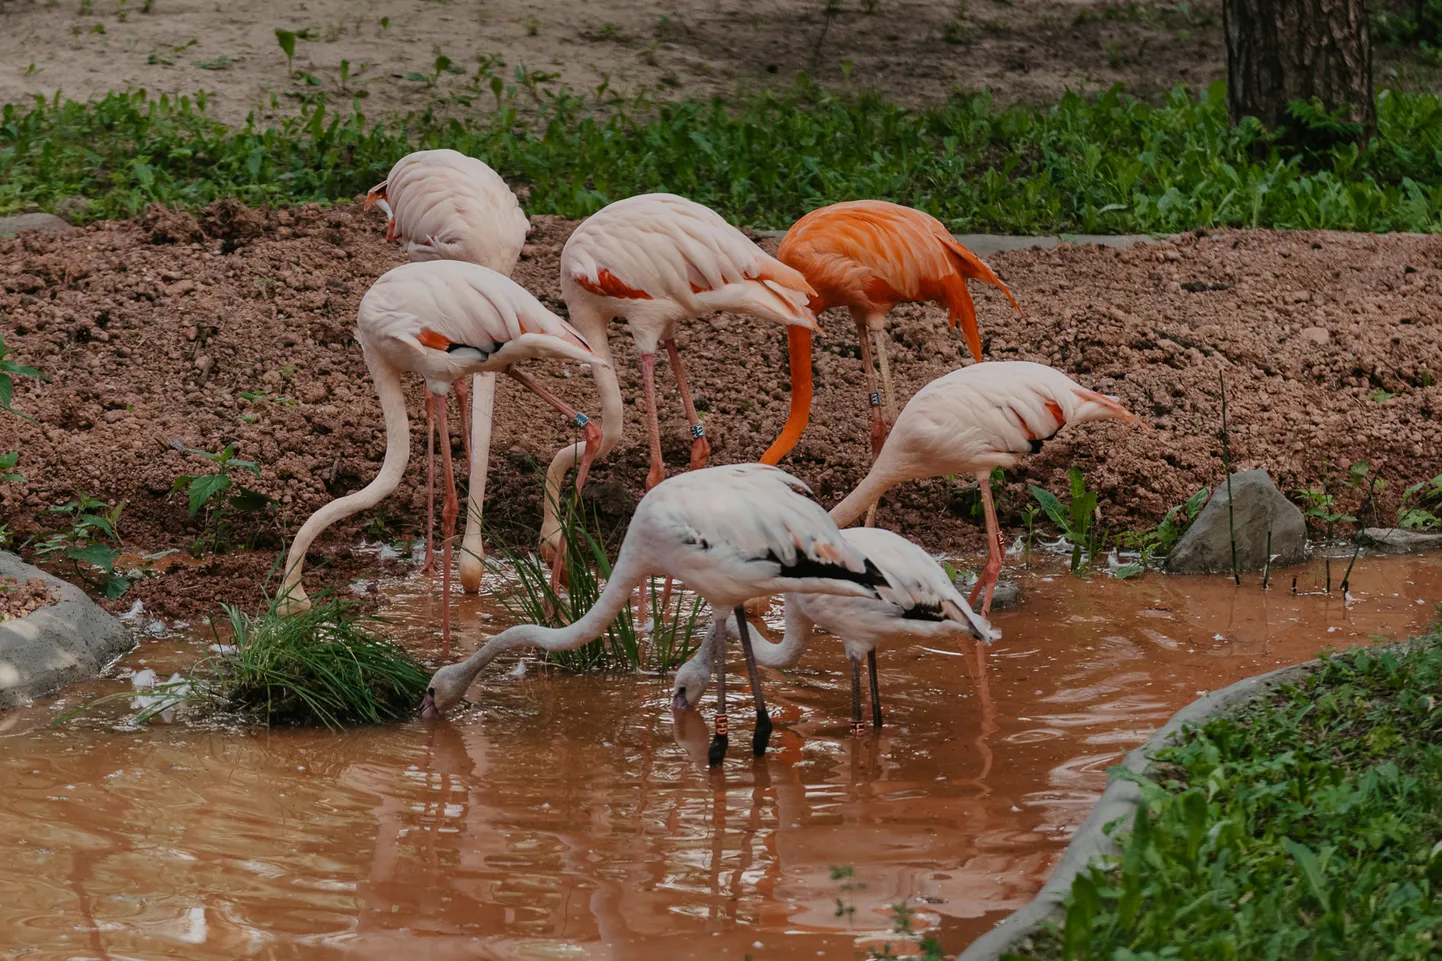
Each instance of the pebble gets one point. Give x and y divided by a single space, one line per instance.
1315 335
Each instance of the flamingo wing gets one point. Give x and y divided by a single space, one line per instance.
448 205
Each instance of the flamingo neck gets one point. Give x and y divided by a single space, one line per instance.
878 481
398 451
629 571
612 421
798 349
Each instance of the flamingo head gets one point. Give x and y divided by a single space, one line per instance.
445 690
691 682
376 195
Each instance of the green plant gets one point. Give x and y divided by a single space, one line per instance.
9 370
1380 394
901 925
845 878
8 474
87 7
1420 506
1308 819
218 63
1029 513
533 25
1321 507
1075 520
91 540
529 597
1161 539
286 39
204 493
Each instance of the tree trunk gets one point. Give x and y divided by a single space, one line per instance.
1284 50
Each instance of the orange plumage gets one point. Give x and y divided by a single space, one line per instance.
869 256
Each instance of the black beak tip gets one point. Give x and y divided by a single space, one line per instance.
428 705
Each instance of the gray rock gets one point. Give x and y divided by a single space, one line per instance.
48 223
1258 507
56 645
1006 596
1394 540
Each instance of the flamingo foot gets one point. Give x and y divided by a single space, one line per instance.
700 453
986 582
655 475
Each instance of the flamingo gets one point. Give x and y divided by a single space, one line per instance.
443 320
656 260
869 256
924 605
971 421
444 205
729 533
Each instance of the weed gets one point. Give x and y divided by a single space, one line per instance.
8 474
1421 505
1321 510
286 39
1380 394
87 7
9 370
533 25
929 947
1160 541
1076 520
529 598
204 493
148 6
845 878
1227 467
91 540
219 63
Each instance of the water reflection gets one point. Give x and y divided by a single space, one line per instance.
567 816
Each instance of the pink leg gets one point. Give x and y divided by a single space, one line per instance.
989 574
463 397
653 426
589 430
448 533
429 566
700 447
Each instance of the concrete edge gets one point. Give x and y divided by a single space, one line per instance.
74 614
1118 803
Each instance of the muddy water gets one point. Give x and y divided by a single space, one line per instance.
573 817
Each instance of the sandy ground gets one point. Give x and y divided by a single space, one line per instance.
151 333
915 51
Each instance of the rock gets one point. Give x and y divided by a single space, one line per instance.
56 645
73 208
1395 540
1006 596
1315 335
1258 508
47 223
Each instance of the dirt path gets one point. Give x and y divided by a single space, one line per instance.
151 335
914 51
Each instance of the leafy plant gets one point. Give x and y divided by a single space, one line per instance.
9 370
1320 508
8 473
205 492
529 598
1420 504
91 540
901 925
286 39
1161 540
1075 520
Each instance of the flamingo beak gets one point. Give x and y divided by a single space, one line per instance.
375 194
679 702
428 705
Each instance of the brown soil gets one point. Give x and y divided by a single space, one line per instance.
150 334
18 600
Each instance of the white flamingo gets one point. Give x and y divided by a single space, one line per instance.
971 421
922 605
729 533
443 320
444 205
656 260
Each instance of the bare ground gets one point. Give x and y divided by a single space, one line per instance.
150 333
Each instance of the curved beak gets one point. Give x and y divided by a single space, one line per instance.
428 705
678 701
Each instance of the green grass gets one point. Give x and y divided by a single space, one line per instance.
1110 164
1305 827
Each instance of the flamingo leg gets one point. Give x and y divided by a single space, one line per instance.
762 737
880 335
717 753
653 426
428 567
875 689
448 531
472 561
857 728
462 388
873 396
989 574
700 447
590 432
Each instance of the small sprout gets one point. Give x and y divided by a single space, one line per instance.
286 39
533 25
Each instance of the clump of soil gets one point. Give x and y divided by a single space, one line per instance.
17 599
1329 344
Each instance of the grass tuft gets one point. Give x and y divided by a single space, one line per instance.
1108 164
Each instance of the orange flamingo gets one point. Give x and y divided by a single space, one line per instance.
869 256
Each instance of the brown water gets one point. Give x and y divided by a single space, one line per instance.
572 817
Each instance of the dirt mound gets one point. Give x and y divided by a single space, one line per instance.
18 599
157 341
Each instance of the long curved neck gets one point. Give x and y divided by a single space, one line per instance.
793 643
629 571
398 452
798 348
612 422
877 482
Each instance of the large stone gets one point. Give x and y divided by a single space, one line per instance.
1258 507
56 645
1394 540
47 223
1005 596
